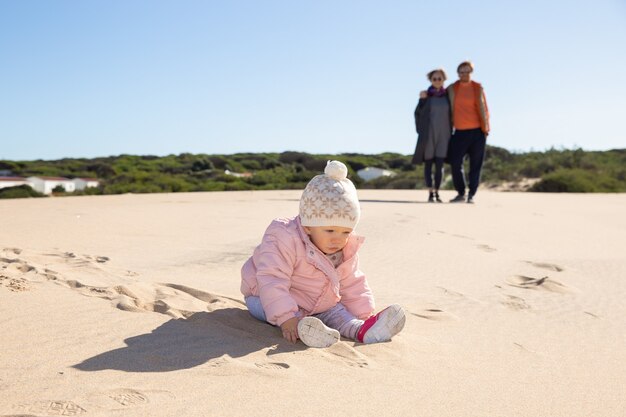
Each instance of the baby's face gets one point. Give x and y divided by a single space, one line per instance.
328 239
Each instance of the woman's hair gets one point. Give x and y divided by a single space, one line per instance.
465 63
435 71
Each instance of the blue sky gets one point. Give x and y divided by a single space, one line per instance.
98 78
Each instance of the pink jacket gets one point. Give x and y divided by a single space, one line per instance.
289 273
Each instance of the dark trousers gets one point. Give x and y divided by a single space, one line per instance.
428 174
470 142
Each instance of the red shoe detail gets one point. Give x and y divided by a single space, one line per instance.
365 327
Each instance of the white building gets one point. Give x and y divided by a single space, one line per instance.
82 183
45 185
12 182
238 174
370 173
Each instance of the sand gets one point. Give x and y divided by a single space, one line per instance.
129 306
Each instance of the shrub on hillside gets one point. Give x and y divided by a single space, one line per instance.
567 181
251 165
202 164
20 191
561 170
291 157
271 164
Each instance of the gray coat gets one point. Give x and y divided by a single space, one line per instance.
422 126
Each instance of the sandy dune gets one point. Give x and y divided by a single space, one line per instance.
130 306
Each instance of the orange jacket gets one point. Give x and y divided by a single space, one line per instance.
481 103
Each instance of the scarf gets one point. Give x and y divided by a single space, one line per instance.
432 91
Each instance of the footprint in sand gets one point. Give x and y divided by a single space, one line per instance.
349 355
452 292
14 284
53 408
128 397
548 266
12 271
50 274
120 398
460 296
515 303
486 248
524 348
25 268
123 398
544 284
455 235
16 265
434 313
12 251
93 276
272 365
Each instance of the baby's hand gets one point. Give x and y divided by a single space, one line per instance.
290 329
423 94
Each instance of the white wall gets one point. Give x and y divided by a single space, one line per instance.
46 186
81 184
12 183
51 184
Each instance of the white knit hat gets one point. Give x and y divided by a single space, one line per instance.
330 199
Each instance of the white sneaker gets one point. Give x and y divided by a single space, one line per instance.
383 326
314 333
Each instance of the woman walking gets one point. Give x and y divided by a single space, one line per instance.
434 128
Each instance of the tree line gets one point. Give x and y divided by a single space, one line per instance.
553 170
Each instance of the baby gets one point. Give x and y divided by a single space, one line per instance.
305 277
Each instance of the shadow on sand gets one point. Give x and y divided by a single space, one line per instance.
187 343
364 201
394 201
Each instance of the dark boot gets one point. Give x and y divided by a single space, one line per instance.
460 198
431 197
437 199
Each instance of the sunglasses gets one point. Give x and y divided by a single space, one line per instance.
436 79
464 72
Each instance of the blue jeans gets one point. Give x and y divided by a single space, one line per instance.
337 317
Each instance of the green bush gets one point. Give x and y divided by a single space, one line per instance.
202 164
19 191
251 165
567 181
290 157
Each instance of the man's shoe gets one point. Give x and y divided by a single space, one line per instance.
314 333
460 198
383 326
470 199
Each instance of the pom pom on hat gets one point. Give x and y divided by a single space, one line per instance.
336 170
330 199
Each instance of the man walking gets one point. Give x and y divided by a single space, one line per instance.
470 118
